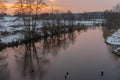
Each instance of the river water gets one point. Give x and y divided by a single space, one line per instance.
84 55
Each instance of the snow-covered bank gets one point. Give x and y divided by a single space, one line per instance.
90 22
114 39
13 26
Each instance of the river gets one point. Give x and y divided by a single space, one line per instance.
84 55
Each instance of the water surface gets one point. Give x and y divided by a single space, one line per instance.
83 54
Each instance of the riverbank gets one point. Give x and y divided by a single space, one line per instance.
18 39
114 41
84 50
13 31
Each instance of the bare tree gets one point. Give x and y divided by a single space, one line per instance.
3 7
29 10
113 17
116 8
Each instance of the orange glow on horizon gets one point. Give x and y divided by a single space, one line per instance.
55 8
74 6
52 0
11 8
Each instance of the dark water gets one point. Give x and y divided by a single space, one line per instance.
83 55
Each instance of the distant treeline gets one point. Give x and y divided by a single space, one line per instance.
68 15
112 20
112 17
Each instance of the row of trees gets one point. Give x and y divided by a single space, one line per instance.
30 15
113 17
30 11
3 7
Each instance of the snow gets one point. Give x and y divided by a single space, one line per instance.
116 50
86 23
11 24
11 38
20 28
8 18
114 39
90 22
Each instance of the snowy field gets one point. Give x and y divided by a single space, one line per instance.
10 25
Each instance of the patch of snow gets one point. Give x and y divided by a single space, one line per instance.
11 38
20 28
9 18
11 24
116 50
114 39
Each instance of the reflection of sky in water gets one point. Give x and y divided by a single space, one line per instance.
32 61
84 56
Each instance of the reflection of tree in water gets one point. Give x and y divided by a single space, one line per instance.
33 57
55 43
4 72
32 64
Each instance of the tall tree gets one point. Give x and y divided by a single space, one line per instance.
113 17
29 10
3 7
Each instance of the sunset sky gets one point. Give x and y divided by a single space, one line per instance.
81 5
86 5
